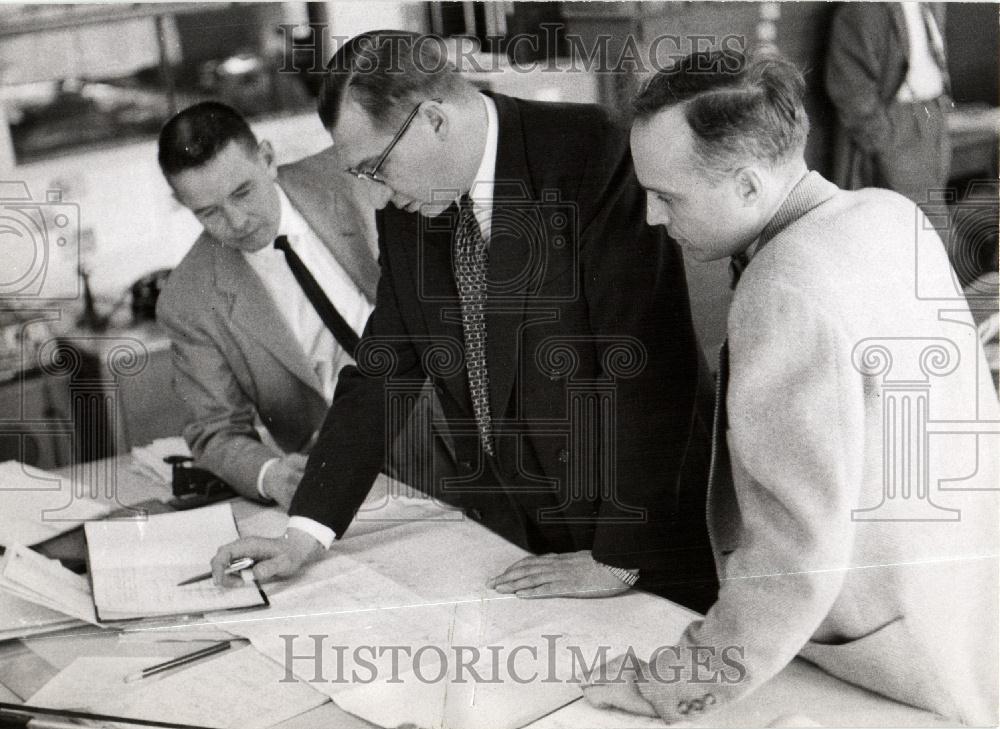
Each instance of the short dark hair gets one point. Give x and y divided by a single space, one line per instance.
195 135
738 106
388 72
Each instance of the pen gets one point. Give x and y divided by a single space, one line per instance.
179 661
238 565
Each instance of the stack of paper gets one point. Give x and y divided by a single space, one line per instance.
38 505
135 565
148 459
38 594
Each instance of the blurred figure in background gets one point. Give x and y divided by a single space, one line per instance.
887 75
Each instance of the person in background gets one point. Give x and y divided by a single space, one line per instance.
515 239
844 532
268 304
887 76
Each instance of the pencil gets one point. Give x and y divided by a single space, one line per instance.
179 661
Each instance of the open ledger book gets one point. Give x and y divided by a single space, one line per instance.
135 565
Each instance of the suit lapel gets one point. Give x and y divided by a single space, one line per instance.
252 310
427 243
325 199
510 255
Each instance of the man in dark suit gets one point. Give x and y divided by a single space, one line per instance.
519 275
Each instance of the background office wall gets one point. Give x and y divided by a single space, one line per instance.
134 226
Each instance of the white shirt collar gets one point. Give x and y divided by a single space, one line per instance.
481 193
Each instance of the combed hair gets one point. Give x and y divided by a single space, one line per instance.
739 107
195 135
388 72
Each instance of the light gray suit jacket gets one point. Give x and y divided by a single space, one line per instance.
235 362
859 528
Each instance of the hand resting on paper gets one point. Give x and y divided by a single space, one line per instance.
572 574
275 557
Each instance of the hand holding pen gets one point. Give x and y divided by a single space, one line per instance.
234 567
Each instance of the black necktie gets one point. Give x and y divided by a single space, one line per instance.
345 336
737 264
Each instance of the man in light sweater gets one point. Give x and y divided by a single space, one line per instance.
853 515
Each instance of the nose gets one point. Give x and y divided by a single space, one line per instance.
656 213
236 217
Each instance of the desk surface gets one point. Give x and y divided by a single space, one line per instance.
468 555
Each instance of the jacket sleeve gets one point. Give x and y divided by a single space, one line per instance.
350 449
796 437
220 429
855 69
636 294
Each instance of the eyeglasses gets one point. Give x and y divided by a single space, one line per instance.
371 174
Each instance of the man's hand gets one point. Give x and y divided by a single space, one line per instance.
574 574
619 691
275 557
282 479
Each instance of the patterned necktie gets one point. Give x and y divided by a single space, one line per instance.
471 260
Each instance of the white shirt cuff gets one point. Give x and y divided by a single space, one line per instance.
260 478
320 532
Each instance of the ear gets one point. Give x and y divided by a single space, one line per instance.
266 154
437 117
749 185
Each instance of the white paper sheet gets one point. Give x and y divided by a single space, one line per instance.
91 682
38 505
20 618
135 565
26 574
239 688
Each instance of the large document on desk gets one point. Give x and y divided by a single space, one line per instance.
397 626
135 565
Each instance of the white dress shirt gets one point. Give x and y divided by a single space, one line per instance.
319 347
481 195
924 80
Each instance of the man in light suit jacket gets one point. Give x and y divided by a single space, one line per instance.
248 346
852 531
572 365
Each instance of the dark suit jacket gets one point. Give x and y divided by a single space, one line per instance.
590 348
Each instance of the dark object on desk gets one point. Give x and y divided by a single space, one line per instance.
194 487
145 292
71 548
179 661
18 715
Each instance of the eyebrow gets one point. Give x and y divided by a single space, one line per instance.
239 188
667 193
